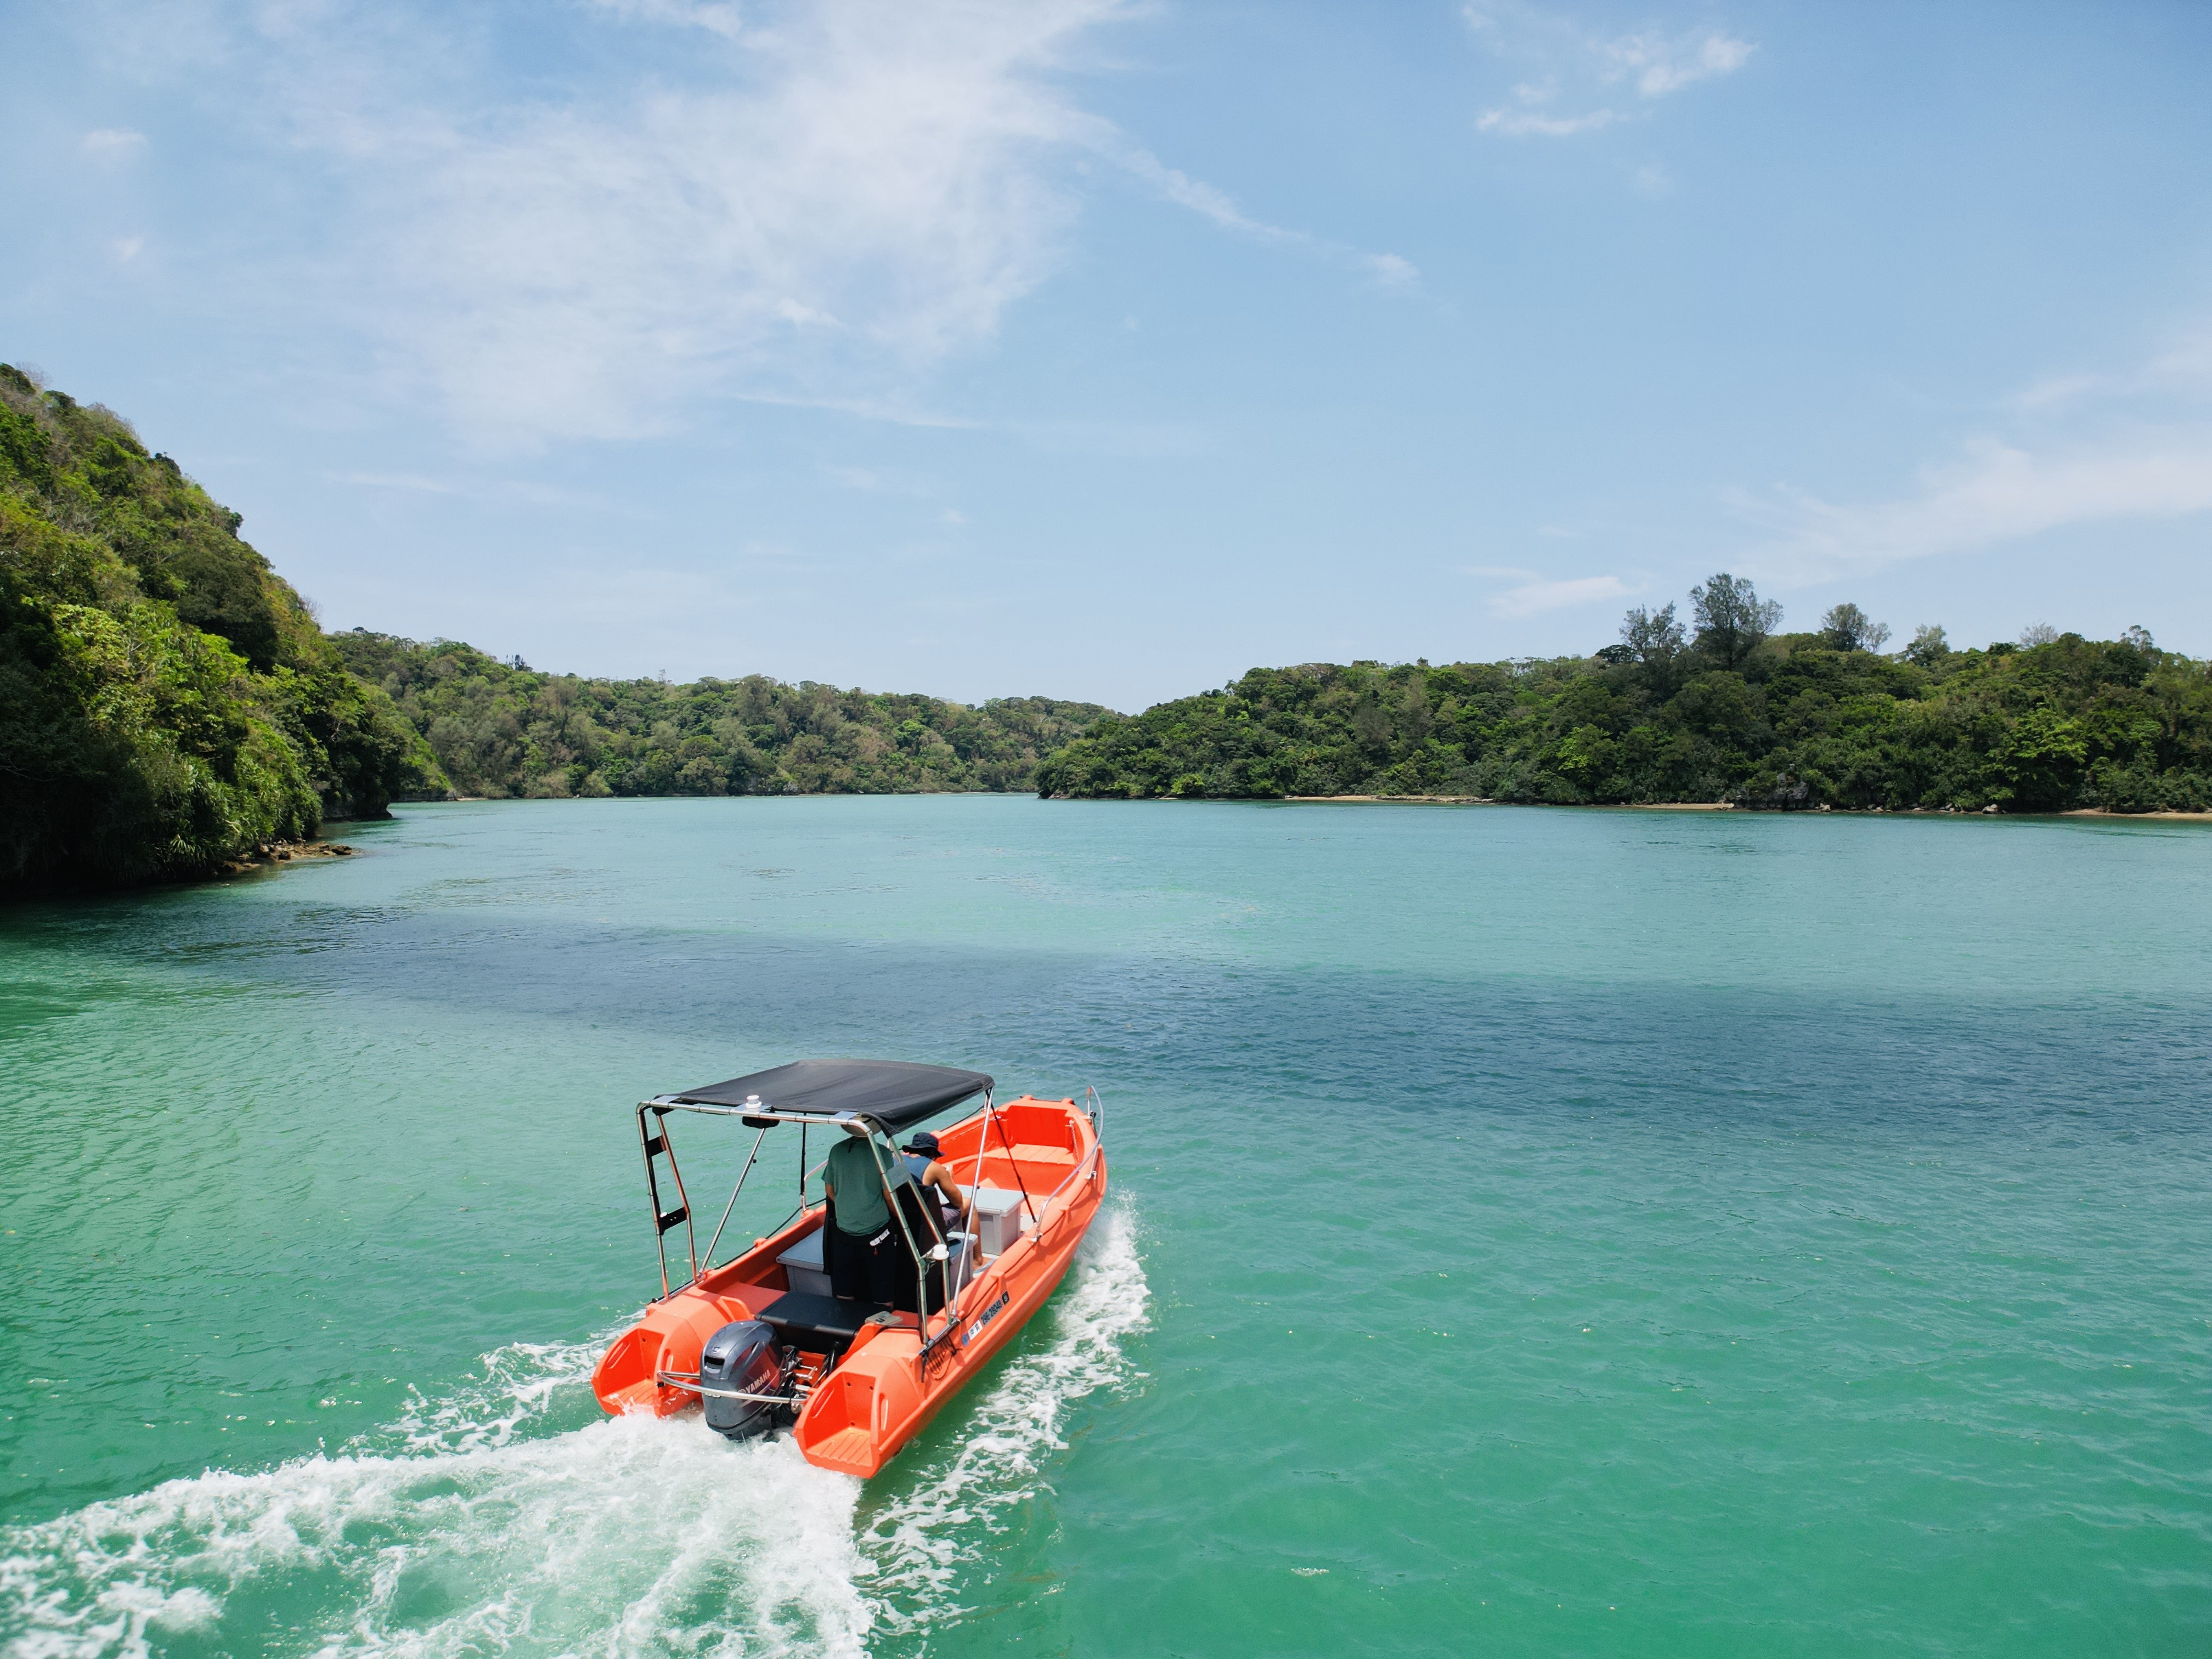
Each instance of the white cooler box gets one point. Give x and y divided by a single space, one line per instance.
998 1219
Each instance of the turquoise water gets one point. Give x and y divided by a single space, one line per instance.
1532 1232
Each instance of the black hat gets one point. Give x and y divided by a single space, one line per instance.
924 1144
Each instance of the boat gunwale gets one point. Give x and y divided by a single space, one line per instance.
1029 1276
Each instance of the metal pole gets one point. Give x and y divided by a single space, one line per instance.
983 1136
734 1191
1012 1162
653 1198
890 1201
691 1233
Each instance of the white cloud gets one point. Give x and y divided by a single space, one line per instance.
868 202
818 214
1655 65
1660 66
2128 445
1390 270
1520 122
128 248
111 144
2183 369
723 20
1993 493
1534 593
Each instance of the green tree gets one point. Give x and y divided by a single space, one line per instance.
1732 621
1847 628
167 702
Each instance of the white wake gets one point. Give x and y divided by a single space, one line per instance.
922 1545
454 1531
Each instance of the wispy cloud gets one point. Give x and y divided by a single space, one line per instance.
832 200
723 20
1660 66
1992 493
109 144
1530 118
1534 593
1390 272
2071 449
1648 66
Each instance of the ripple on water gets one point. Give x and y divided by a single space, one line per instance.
468 1525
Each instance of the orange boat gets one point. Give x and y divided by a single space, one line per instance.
760 1341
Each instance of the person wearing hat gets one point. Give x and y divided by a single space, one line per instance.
921 1159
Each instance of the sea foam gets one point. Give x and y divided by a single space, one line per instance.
921 1544
465 1527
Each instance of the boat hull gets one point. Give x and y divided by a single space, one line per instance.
889 1383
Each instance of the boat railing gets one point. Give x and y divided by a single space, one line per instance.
689 1382
1039 1208
656 1141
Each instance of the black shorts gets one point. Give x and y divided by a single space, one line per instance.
879 1268
866 1268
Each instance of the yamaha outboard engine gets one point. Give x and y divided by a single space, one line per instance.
743 1356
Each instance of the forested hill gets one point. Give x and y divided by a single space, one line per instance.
1735 711
503 729
167 701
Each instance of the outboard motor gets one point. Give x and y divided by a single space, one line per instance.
742 1356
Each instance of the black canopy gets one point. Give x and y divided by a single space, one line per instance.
896 1093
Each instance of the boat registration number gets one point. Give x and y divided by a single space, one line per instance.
986 1318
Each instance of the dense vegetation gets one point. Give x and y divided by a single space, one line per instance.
167 702
503 729
1728 710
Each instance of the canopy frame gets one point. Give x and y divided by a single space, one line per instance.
756 1114
655 1138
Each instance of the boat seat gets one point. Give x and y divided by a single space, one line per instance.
815 1324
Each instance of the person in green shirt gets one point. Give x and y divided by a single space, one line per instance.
864 1248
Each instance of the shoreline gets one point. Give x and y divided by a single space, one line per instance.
272 854
1726 806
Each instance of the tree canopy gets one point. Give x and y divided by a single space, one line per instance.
167 701
1786 720
502 729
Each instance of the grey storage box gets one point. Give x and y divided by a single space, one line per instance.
803 1270
998 1219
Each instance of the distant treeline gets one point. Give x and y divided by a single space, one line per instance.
1727 708
169 705
167 702
502 729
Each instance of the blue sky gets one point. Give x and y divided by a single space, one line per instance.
1105 351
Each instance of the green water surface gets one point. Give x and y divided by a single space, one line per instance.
1532 1232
